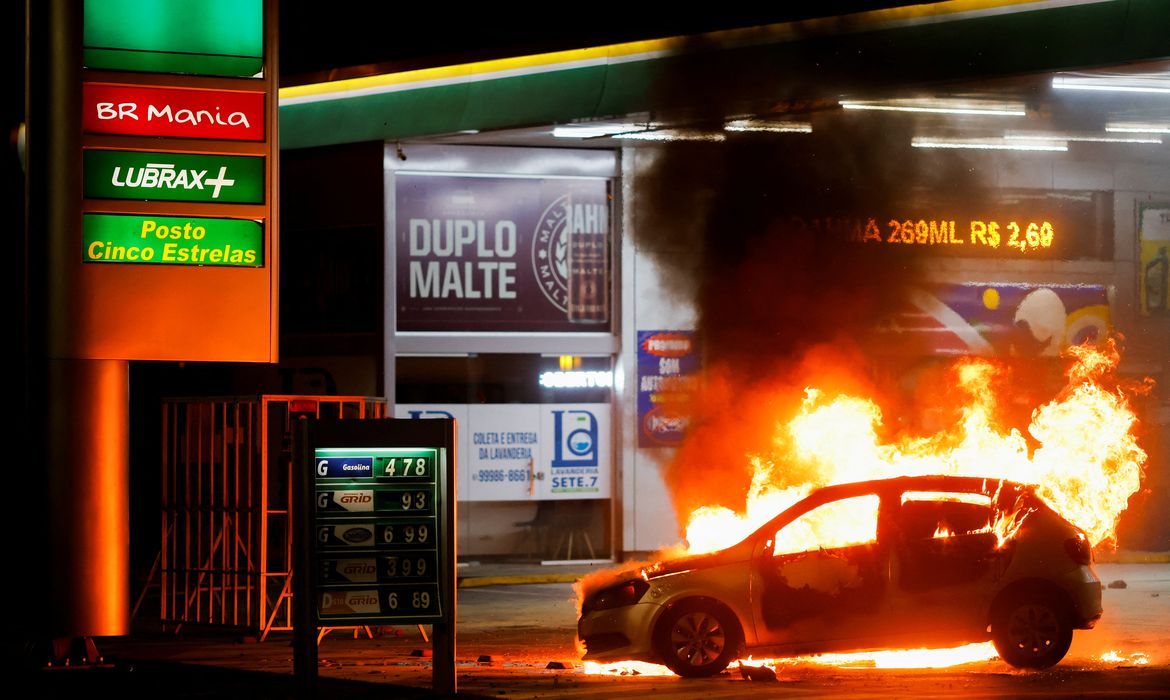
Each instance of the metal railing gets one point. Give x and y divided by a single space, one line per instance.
226 554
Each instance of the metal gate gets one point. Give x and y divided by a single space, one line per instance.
226 555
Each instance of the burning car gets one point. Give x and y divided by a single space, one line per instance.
921 561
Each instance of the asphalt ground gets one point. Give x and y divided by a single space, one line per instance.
516 639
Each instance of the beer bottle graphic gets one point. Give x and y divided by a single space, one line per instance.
1157 273
587 229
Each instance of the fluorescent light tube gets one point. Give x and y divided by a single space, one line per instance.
987 144
1113 84
938 105
1077 136
1137 128
782 127
589 131
672 135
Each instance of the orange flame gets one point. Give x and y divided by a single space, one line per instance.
1086 464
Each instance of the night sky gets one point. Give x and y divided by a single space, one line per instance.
316 36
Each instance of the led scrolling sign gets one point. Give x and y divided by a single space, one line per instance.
1021 236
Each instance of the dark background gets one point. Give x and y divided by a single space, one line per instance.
317 37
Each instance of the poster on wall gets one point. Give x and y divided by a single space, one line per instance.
458 411
499 254
1018 320
523 452
1154 265
668 366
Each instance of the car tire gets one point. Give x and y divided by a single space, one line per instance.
1031 631
697 638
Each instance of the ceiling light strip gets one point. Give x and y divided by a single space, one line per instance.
988 144
1155 85
1078 137
998 110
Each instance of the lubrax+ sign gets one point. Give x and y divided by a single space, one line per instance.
173 176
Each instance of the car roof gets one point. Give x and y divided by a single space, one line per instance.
987 486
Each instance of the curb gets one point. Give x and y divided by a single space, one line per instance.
479 581
1124 557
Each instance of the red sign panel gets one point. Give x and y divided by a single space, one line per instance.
176 112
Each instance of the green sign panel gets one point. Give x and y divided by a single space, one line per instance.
378 534
200 37
174 177
172 240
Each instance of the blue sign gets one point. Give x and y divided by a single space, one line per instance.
575 439
668 366
344 467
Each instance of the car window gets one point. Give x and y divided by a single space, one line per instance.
941 514
944 540
841 523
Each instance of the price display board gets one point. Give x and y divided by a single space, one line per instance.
377 534
377 502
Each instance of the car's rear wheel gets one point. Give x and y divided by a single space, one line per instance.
697 638
1031 631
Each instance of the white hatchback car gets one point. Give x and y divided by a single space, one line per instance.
942 561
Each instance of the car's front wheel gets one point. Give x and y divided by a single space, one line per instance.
697 638
1031 631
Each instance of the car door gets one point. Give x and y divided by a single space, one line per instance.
819 581
945 560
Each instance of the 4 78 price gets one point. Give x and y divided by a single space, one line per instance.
405 466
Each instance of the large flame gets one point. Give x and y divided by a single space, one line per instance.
1086 463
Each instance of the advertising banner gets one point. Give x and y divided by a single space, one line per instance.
194 113
200 37
520 452
457 411
148 175
668 366
1154 265
172 240
575 451
499 254
504 451
1021 320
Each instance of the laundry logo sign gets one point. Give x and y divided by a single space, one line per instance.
173 177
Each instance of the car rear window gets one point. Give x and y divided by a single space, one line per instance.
927 515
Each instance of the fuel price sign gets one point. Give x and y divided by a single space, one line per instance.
376 507
381 504
377 534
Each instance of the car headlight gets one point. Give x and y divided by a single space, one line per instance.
622 594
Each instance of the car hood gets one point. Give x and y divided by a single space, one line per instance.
675 566
699 561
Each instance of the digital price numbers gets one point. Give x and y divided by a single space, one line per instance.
377 541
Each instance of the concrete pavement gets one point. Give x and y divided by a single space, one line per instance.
513 623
